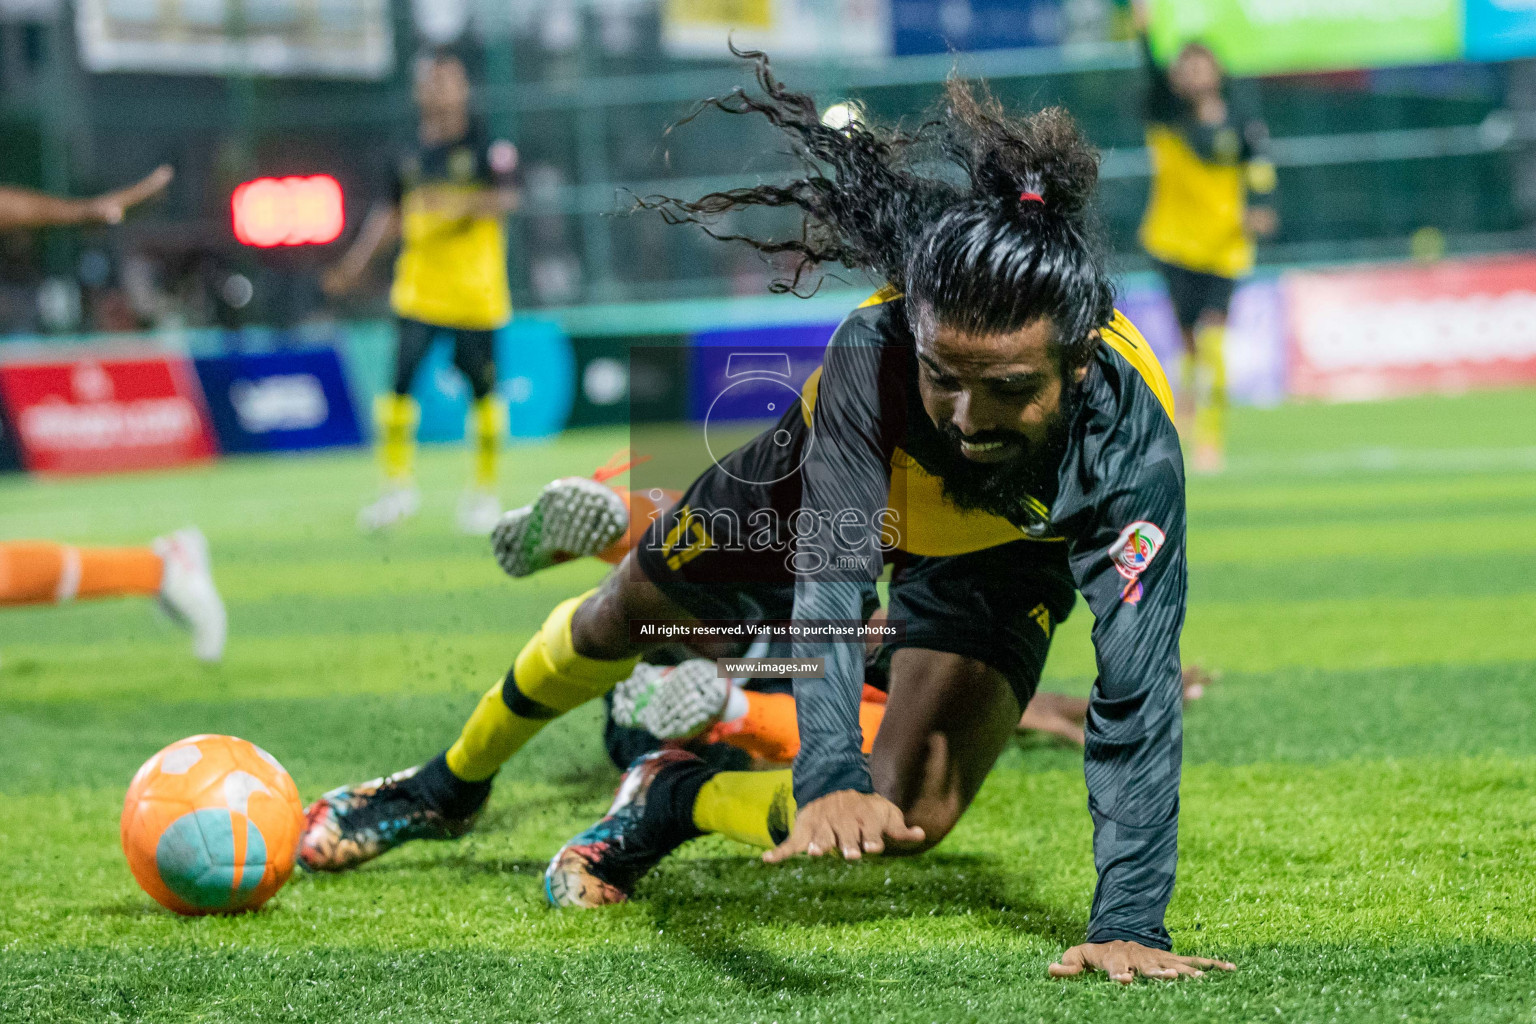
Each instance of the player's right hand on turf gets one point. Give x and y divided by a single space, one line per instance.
846 822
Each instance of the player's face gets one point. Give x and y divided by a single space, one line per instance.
1195 73
441 85
996 397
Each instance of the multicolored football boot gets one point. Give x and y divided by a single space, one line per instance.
572 517
352 825
603 864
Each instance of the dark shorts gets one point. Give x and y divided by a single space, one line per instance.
999 605
1195 293
474 353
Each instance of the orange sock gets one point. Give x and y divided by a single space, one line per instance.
41 572
770 732
643 509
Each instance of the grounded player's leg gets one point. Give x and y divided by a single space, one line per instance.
582 650
441 799
947 720
1056 714
573 517
474 355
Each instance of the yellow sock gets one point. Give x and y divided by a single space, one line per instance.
757 808
492 734
548 679
397 417
488 421
1211 374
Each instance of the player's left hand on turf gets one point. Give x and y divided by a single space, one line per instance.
846 822
1123 961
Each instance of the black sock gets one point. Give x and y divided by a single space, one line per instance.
448 793
669 804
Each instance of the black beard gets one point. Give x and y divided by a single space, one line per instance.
1003 488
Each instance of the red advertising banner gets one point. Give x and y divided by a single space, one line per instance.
1386 331
106 415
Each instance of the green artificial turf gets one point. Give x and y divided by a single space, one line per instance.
1359 819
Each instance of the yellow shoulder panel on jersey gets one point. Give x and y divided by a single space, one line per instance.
880 297
808 395
1122 336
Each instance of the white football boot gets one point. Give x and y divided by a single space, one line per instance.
672 703
573 517
187 592
478 512
397 503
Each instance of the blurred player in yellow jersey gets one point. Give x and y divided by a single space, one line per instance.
1199 225
452 192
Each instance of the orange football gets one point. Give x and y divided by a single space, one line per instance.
210 825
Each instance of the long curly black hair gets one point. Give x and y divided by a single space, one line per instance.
991 249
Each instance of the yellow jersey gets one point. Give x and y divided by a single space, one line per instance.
1201 177
452 270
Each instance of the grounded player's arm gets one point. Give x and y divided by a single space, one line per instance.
380 228
24 208
1130 567
838 558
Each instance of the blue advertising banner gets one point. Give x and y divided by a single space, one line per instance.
535 373
1501 29
738 374
279 401
943 26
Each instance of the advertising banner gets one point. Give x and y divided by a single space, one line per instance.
279 401
1403 330
730 367
630 380
106 415
945 26
1501 29
784 28
1256 37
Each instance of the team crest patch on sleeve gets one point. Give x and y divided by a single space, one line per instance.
1132 552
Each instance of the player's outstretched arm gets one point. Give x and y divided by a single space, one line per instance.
24 208
1124 961
380 227
846 822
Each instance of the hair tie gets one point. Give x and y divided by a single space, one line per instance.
1031 197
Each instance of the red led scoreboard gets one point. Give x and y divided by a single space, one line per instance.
288 211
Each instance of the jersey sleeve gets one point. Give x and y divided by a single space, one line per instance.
1130 567
1260 168
845 486
1161 105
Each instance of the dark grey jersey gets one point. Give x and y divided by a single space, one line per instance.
1118 510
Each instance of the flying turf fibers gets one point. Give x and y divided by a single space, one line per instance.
1359 802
